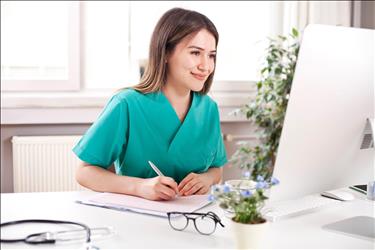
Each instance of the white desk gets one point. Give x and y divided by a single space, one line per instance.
144 231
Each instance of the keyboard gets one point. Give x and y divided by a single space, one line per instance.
307 204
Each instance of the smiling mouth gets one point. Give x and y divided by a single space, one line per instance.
199 77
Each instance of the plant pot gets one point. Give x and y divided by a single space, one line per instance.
241 184
248 236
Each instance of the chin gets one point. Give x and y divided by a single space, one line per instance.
197 87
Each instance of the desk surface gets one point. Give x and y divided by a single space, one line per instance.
134 230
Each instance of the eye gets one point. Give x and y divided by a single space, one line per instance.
213 56
196 53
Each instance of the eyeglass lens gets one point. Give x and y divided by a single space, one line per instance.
203 224
178 221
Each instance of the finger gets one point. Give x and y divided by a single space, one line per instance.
203 190
195 188
169 182
188 186
167 191
162 196
188 178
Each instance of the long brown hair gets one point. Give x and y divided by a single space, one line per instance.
172 27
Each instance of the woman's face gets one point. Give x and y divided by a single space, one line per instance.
192 61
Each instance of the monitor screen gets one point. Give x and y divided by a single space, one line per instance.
331 98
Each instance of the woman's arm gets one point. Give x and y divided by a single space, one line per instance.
215 174
102 180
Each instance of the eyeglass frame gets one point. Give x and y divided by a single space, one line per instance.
210 214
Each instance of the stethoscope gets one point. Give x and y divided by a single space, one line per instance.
47 237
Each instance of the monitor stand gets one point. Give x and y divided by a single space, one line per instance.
360 226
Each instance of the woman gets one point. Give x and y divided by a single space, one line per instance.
167 119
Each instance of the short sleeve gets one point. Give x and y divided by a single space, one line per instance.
220 158
104 141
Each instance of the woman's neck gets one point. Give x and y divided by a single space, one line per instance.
179 99
177 96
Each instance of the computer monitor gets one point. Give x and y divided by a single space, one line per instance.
331 98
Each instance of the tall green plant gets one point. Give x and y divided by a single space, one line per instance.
267 110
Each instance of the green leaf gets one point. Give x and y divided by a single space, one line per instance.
295 32
278 71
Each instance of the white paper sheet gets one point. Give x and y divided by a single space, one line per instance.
140 205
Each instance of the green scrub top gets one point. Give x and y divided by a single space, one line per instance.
135 128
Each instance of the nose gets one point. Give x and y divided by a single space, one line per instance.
204 64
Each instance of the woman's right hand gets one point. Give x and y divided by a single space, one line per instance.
157 188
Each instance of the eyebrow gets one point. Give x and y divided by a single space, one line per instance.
199 48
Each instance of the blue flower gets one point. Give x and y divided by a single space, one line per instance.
261 185
211 197
246 174
246 193
260 178
274 181
226 189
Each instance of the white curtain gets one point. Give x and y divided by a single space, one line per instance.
298 14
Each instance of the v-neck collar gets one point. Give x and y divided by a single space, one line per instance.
182 124
170 107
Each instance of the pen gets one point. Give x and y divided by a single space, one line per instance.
155 168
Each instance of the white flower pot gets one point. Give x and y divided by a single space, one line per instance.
248 236
241 184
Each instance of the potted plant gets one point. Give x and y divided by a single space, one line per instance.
245 197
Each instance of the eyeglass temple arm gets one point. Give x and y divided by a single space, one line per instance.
216 218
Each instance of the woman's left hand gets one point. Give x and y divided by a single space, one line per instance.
195 184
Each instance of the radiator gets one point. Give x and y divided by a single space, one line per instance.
44 163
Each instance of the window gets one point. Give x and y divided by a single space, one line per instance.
243 27
106 47
39 45
67 45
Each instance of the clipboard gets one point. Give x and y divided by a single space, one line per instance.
122 202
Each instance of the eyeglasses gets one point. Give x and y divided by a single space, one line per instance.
204 223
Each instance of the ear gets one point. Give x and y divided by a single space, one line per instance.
167 56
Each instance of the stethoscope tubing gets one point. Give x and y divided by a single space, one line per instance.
46 241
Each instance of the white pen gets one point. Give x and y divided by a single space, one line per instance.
155 168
